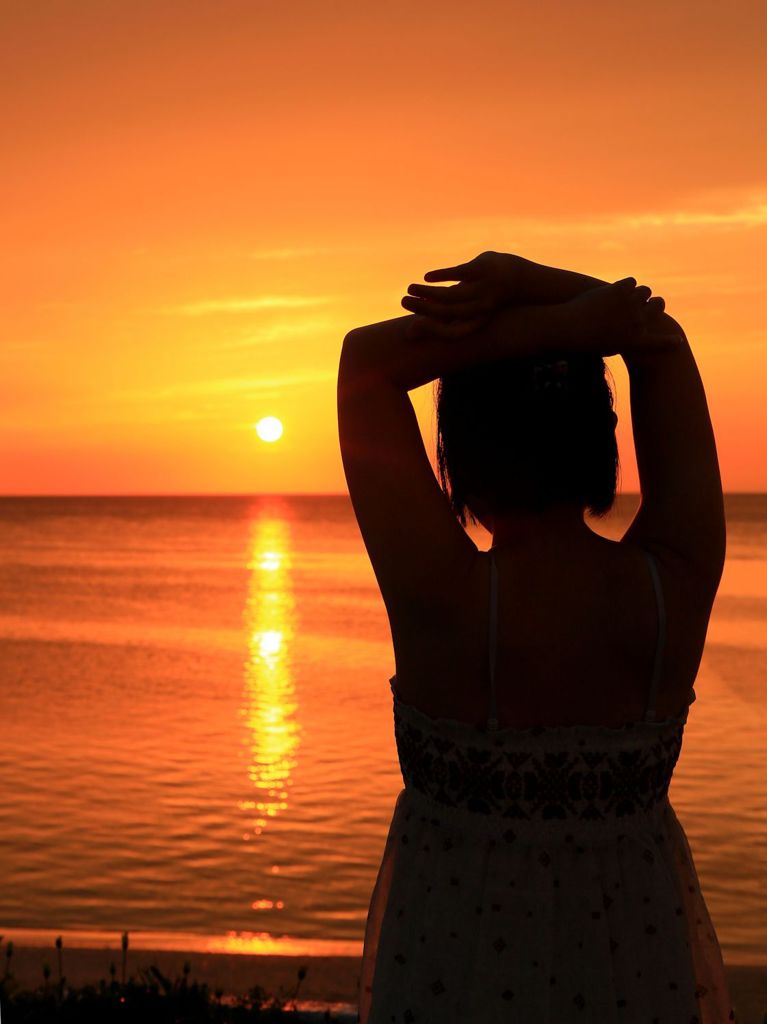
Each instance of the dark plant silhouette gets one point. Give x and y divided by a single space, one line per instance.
149 997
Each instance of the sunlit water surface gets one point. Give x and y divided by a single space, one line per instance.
197 738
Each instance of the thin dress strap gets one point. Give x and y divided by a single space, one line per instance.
492 721
650 713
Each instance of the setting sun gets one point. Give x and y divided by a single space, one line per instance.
269 428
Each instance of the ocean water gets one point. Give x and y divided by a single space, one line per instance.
197 740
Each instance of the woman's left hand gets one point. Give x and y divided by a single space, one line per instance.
486 284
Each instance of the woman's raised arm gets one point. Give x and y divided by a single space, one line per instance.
599 322
682 508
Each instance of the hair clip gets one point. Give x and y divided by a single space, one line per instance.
551 376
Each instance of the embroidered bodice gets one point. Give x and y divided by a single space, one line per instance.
581 773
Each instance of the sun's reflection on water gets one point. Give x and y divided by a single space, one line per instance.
269 705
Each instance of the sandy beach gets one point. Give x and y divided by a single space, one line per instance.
331 980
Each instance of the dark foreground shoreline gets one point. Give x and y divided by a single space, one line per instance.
330 980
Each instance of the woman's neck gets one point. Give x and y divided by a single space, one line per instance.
559 524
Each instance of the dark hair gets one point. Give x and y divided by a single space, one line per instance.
523 434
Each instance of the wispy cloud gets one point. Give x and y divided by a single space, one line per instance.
227 387
294 254
279 332
749 214
745 217
247 304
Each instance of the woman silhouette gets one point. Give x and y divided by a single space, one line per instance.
534 869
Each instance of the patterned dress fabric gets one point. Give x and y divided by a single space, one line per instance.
539 876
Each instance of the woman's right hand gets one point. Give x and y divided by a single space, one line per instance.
613 319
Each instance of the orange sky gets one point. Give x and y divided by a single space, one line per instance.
200 199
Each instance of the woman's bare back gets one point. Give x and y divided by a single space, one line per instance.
576 638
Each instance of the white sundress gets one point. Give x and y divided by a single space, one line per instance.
539 876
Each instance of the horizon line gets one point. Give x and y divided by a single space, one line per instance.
277 494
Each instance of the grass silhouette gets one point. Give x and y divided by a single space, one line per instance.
148 997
